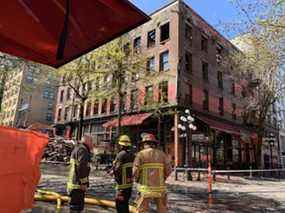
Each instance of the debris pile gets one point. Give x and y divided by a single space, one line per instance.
58 150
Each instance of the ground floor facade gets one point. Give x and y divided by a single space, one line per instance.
226 145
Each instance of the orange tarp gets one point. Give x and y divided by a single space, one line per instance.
20 156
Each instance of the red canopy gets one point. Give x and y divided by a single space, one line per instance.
224 127
128 120
54 32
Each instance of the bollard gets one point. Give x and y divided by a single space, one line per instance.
210 196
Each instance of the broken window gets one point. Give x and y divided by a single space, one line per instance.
204 43
206 100
150 64
137 44
66 113
221 106
205 71
163 92
59 114
61 96
164 61
220 80
188 62
104 106
88 109
95 108
164 32
113 105
151 38
188 32
148 95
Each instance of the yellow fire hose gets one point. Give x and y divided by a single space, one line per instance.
48 196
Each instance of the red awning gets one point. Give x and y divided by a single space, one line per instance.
220 126
128 120
54 32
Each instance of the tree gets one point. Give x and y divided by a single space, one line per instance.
260 60
78 76
123 69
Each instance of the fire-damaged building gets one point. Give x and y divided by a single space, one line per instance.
188 53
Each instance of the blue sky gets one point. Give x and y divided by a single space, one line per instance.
213 11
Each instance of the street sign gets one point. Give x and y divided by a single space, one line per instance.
199 137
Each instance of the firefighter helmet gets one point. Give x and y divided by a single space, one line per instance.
147 137
125 140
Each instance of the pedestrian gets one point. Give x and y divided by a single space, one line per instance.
122 170
78 179
151 169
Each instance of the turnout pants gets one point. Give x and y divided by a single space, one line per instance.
122 200
76 203
143 204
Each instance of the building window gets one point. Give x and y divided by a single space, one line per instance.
30 77
233 88
104 106
234 116
49 117
95 108
66 112
88 110
134 96
113 105
137 44
48 94
188 62
151 38
220 80
206 100
148 95
219 52
205 72
190 95
204 43
221 106
61 96
150 66
188 32
163 92
75 111
68 94
164 32
59 114
164 61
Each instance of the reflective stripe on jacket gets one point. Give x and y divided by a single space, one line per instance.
79 168
151 168
122 167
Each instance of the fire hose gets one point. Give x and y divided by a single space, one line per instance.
48 196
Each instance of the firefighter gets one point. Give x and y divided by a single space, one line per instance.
151 169
78 180
122 170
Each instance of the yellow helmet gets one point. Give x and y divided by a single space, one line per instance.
125 140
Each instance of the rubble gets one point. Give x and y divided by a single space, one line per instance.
58 150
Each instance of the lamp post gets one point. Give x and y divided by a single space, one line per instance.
186 126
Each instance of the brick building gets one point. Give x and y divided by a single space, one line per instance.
22 104
188 54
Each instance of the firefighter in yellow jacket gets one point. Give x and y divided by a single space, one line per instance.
151 169
78 179
122 169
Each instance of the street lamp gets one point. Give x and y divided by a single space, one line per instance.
186 126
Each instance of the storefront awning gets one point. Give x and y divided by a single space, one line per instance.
54 32
128 120
223 127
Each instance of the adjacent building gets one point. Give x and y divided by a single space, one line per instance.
29 97
188 55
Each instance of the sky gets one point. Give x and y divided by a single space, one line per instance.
213 11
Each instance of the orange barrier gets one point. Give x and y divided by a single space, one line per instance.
20 156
